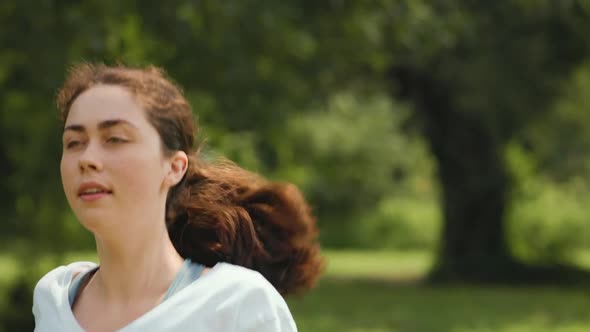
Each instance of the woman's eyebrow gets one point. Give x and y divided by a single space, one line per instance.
75 127
114 122
102 126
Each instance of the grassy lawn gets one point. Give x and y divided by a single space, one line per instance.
379 291
377 265
372 306
374 292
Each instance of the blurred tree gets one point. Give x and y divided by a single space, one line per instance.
559 139
477 74
497 66
474 73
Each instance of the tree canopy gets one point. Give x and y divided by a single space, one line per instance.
349 99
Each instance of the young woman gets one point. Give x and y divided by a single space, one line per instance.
183 244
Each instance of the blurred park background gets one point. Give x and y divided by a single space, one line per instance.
444 145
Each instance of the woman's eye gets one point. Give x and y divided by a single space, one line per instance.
72 144
115 140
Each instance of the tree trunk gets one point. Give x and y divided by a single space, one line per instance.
474 189
474 186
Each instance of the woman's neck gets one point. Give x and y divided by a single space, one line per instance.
141 266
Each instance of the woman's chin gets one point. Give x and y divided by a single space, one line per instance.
95 222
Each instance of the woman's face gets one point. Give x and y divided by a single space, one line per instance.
113 169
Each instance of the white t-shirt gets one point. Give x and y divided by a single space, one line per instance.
227 298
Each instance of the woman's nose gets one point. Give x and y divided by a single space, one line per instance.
89 159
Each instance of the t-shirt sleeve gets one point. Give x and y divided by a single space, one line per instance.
273 325
44 298
48 299
263 309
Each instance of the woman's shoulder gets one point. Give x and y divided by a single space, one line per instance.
237 286
50 297
60 277
236 276
256 299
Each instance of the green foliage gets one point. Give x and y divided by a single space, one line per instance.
401 223
349 155
560 140
549 220
308 92
549 162
351 144
15 309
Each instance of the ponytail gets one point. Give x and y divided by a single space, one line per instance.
223 213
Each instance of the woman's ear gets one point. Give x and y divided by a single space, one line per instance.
178 167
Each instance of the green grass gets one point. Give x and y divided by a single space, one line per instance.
361 305
374 292
380 291
410 265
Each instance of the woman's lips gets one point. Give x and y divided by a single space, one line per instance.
91 191
93 197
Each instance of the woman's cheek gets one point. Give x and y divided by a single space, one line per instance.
136 176
68 176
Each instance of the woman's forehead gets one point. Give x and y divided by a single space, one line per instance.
103 103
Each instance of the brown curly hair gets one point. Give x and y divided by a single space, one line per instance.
219 212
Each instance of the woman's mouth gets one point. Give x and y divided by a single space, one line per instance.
93 196
92 191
